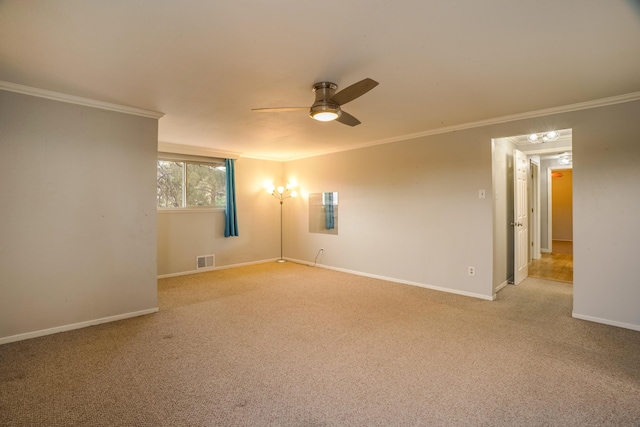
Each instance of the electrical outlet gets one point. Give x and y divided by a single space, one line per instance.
471 270
481 194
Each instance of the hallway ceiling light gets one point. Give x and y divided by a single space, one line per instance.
536 138
565 159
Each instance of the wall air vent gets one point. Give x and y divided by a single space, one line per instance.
205 262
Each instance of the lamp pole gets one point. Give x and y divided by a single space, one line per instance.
281 193
281 259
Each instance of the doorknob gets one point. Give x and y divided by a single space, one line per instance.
516 224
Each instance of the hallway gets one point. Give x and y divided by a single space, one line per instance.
557 265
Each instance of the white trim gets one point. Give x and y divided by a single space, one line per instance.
620 99
401 281
606 321
71 99
168 147
534 168
223 267
65 328
343 270
277 159
549 210
500 287
545 250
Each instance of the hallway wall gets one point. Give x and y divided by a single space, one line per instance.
562 205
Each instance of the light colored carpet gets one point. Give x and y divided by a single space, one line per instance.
291 345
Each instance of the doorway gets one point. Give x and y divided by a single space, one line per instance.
557 262
541 157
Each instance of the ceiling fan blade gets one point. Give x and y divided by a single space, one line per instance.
348 119
352 92
278 109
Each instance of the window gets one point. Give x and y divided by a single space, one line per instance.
190 182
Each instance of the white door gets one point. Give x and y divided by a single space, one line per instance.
521 218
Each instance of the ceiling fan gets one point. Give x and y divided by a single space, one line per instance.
327 104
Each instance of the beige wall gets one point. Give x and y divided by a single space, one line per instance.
562 205
72 249
184 235
78 221
606 202
409 211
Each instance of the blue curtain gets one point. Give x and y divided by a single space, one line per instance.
329 221
231 219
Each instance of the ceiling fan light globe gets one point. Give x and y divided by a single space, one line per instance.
325 112
325 116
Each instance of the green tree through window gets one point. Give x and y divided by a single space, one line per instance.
205 185
190 184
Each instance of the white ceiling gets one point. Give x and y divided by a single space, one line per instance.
206 64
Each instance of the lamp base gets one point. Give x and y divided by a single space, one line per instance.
281 260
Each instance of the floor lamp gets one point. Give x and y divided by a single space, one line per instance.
281 193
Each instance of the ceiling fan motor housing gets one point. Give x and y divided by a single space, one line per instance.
324 91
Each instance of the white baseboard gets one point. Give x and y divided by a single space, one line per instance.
499 288
65 328
222 267
606 321
545 250
404 282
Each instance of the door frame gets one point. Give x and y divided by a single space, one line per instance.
534 219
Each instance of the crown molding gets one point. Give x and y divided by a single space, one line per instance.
71 99
603 102
630 97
